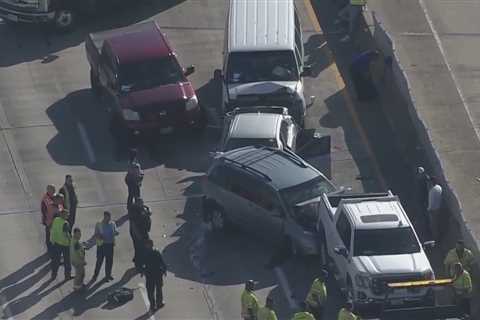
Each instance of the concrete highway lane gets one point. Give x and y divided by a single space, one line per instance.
51 126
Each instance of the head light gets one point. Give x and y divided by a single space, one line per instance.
130 115
192 103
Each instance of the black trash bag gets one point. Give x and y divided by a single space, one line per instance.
120 296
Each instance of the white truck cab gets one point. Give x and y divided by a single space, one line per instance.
371 242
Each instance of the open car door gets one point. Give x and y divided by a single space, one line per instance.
314 147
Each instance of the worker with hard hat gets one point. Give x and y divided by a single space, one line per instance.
249 302
317 296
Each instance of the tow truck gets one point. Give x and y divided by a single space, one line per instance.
435 311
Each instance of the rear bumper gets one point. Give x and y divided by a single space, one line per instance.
28 17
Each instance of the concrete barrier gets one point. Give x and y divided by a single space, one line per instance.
384 42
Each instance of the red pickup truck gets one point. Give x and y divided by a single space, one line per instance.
138 76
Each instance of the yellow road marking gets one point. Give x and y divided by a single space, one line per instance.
312 15
348 99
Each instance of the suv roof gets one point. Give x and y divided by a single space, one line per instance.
255 125
281 169
139 43
379 213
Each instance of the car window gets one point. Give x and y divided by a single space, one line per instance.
344 230
151 73
235 143
245 67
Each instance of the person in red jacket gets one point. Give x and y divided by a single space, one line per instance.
48 210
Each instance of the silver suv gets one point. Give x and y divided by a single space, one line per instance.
267 126
259 189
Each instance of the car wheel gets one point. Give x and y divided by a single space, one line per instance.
217 219
64 20
95 84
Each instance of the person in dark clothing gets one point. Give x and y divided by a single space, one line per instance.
133 178
70 199
361 75
154 269
421 187
140 224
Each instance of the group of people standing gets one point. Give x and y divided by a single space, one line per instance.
64 245
312 308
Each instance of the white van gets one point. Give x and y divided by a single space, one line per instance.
263 54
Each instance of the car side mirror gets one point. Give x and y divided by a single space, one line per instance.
189 70
341 251
307 71
217 74
428 245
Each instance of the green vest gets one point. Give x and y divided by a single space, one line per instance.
358 2
318 294
77 253
303 316
57 235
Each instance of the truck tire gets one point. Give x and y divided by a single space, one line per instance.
64 20
95 84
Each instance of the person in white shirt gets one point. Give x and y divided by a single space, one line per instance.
434 206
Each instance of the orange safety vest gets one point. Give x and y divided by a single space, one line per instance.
51 209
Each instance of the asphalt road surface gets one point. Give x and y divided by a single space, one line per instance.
51 126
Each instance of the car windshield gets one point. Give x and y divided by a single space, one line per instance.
306 215
235 143
385 242
152 73
245 67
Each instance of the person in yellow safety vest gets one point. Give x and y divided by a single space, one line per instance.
77 256
317 296
353 11
249 301
60 239
346 313
462 286
267 312
458 254
303 314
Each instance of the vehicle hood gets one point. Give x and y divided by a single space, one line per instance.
265 87
399 263
161 95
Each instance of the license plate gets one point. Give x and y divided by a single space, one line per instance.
12 17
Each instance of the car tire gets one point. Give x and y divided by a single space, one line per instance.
95 84
64 20
215 216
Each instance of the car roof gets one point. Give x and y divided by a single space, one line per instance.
281 169
256 25
140 42
255 125
379 213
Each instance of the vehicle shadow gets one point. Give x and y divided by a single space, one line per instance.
316 54
227 259
84 138
24 43
338 116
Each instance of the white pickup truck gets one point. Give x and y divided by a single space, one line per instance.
370 242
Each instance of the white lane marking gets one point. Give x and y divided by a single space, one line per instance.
143 291
86 142
285 287
7 314
449 67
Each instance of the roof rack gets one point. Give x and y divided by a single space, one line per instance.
294 157
253 170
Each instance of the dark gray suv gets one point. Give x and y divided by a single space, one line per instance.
261 189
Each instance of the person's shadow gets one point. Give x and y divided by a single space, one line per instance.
81 302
